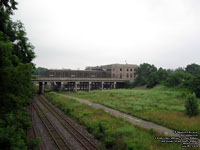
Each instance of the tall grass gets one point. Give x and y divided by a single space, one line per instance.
161 105
114 133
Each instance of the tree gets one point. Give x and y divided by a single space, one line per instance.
143 74
40 71
162 75
148 75
152 80
191 105
16 69
194 85
8 6
179 69
177 78
193 69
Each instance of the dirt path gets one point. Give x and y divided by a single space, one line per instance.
133 120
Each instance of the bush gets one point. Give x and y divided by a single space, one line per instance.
134 145
195 86
130 145
151 83
128 85
191 105
33 145
173 80
109 141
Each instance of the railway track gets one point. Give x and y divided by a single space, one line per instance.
32 120
83 141
36 134
58 140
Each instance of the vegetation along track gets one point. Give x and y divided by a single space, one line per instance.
60 143
84 142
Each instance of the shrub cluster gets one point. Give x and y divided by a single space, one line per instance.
192 105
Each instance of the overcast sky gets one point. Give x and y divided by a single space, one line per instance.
79 33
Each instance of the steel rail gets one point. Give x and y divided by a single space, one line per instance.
84 141
41 145
58 143
32 120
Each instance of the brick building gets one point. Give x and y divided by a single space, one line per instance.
115 71
120 71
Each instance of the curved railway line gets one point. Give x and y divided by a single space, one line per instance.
83 141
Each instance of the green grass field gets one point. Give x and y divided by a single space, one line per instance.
112 132
161 105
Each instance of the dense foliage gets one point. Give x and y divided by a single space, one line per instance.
192 105
149 75
16 69
40 71
188 78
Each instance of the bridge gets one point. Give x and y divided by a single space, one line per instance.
75 84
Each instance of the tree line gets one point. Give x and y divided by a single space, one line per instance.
181 78
16 68
188 78
40 72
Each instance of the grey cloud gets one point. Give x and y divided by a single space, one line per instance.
75 34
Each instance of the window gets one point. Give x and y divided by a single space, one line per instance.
66 74
130 69
113 75
127 75
113 69
120 75
51 74
127 69
120 69
131 75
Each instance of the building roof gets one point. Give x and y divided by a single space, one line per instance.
120 65
73 70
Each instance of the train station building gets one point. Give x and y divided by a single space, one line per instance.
92 78
118 71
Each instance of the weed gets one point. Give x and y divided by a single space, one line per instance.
114 133
155 105
109 142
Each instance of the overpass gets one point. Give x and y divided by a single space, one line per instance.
74 84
